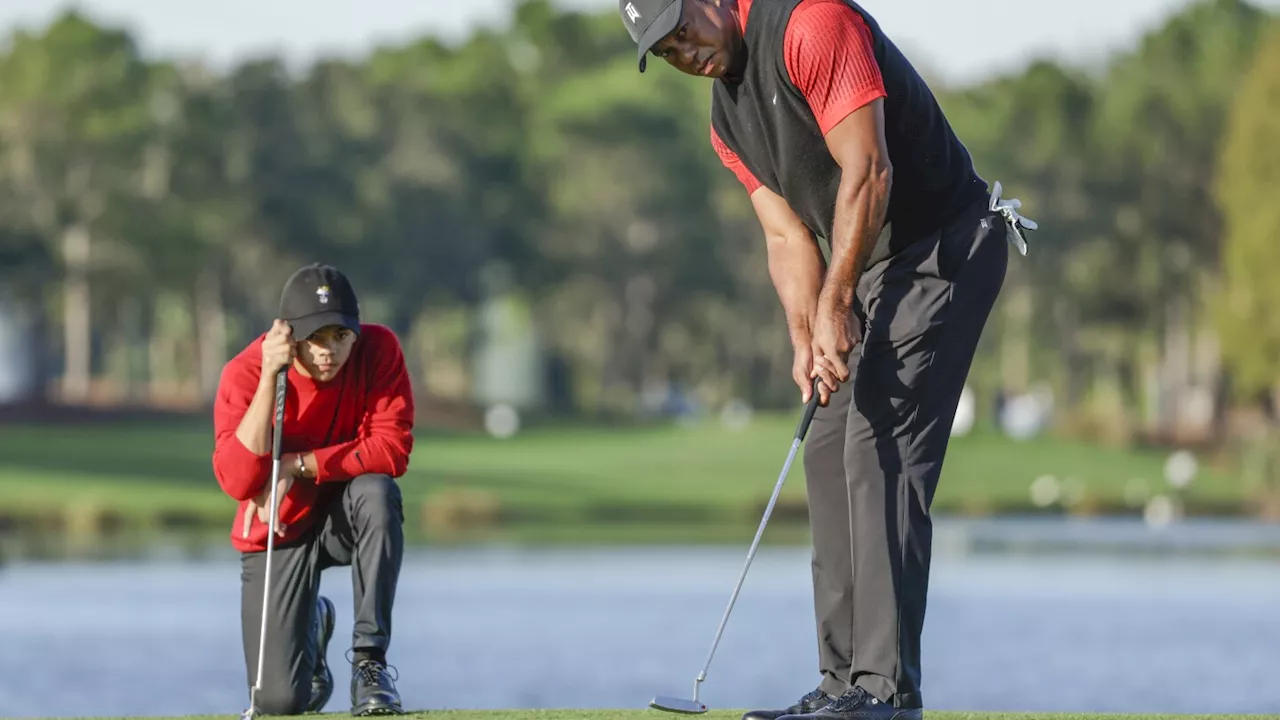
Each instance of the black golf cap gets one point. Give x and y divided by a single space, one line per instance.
649 21
318 295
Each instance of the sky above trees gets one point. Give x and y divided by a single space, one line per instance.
226 32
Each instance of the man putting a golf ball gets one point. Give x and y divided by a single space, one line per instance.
834 134
346 435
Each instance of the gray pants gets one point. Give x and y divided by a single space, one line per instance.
361 526
873 456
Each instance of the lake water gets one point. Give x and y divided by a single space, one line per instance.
490 627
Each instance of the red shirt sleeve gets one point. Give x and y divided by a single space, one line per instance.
734 163
828 53
240 472
385 438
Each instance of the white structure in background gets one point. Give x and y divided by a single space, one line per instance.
17 363
966 413
1045 491
1180 469
508 363
502 421
1161 511
1025 416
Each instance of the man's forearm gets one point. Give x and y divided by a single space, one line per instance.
254 430
795 266
861 203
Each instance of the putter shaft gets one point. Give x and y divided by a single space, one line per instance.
755 544
274 503
801 430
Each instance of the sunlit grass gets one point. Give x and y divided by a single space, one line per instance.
671 474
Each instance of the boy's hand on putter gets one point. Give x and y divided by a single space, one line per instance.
278 348
260 506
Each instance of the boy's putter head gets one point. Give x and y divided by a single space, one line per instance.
678 705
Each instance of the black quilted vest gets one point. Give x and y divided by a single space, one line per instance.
767 122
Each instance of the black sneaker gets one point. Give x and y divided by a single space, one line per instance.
322 678
807 704
373 691
858 704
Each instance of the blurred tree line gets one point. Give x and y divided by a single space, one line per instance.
150 210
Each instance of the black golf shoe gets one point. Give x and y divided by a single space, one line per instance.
322 678
373 691
807 704
858 704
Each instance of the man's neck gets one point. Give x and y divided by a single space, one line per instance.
738 10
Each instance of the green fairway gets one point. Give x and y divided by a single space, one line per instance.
737 714
556 478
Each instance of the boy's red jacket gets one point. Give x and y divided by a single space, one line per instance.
360 422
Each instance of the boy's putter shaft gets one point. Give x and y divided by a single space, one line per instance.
276 438
694 706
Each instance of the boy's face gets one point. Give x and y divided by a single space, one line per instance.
326 351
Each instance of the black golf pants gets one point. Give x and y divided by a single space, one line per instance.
362 528
873 456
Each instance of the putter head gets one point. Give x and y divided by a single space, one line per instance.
677 705
248 714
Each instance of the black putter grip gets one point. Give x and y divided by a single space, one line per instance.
809 409
282 383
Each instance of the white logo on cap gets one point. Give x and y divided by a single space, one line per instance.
632 14
322 292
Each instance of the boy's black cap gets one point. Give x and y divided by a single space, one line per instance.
649 21
318 295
